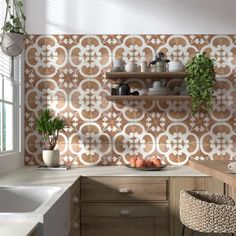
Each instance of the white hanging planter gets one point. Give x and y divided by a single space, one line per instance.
12 44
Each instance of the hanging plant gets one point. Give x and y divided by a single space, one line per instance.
16 21
200 82
13 35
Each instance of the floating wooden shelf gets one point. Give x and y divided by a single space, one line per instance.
145 75
157 97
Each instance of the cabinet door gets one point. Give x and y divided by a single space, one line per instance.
123 189
75 209
125 219
177 184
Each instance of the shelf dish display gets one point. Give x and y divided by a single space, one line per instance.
147 97
145 75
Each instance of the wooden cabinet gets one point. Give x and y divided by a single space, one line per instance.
75 209
132 206
125 219
124 206
120 189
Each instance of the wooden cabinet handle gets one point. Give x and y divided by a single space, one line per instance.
75 200
124 212
125 190
75 225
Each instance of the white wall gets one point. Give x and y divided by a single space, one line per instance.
130 16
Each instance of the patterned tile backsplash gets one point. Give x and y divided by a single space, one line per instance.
67 74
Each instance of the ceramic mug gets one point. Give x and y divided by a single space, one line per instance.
144 66
131 67
232 166
118 64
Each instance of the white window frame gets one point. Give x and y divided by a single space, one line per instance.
17 110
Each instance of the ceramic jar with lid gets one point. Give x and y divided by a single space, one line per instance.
175 66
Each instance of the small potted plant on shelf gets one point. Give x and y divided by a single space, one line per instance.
200 82
12 40
49 127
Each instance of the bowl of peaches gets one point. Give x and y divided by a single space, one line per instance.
153 164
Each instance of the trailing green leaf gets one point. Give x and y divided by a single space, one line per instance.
16 22
50 128
200 82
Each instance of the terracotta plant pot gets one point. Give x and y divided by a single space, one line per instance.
12 44
51 157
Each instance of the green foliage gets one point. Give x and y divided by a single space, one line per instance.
15 24
200 82
50 128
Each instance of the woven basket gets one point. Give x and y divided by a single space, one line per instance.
207 212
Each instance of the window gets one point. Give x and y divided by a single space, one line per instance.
9 99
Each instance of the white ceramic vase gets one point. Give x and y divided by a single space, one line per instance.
51 157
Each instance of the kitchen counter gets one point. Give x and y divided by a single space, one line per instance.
17 228
31 176
217 169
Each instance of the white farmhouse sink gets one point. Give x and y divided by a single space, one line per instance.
37 204
24 199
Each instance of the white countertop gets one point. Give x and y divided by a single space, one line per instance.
16 228
30 176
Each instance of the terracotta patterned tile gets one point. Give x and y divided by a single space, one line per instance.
177 47
143 49
67 74
199 123
199 40
124 48
212 154
199 155
80 153
228 88
33 155
99 65
109 43
30 40
100 152
141 109
228 55
113 122
161 41
100 46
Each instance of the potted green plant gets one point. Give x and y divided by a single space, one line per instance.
200 82
49 127
12 42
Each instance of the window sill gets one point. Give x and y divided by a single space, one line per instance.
9 154
11 161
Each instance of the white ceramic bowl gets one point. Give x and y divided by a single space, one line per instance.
131 67
175 66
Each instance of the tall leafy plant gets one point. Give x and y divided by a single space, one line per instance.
49 127
200 82
16 21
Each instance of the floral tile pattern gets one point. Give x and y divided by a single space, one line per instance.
66 73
